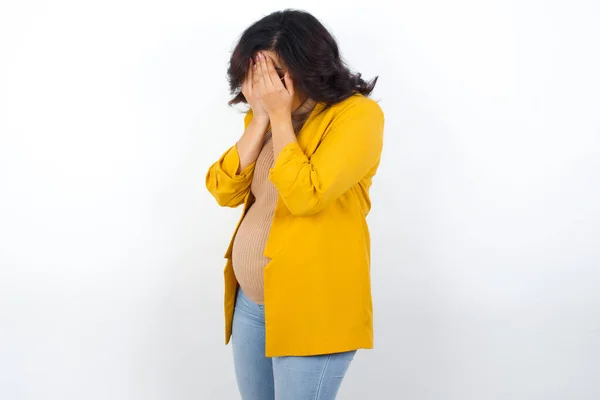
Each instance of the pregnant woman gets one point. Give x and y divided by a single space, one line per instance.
297 277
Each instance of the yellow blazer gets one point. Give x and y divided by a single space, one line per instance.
317 289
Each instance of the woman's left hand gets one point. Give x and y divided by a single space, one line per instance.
275 97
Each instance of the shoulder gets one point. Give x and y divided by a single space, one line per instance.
357 111
357 106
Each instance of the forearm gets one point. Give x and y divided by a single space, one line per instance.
283 132
344 157
250 144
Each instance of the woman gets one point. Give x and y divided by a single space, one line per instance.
297 285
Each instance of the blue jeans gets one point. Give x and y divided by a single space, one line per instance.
282 378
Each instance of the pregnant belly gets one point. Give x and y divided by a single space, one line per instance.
248 250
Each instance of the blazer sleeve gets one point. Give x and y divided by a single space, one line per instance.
346 154
227 186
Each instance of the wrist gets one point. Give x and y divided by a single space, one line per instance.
281 118
261 123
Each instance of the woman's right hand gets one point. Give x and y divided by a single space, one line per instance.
251 95
251 142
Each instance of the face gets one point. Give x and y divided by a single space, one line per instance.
280 69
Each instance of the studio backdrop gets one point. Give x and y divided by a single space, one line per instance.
484 226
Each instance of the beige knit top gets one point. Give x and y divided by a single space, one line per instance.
251 238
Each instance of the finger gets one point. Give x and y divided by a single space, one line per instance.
247 76
264 71
256 74
289 82
250 77
275 79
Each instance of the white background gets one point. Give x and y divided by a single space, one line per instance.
486 208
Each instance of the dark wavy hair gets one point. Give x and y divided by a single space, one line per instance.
309 52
